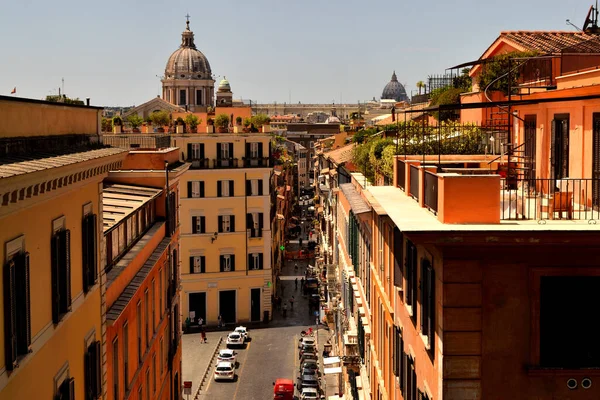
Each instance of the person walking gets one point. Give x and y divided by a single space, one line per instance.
220 321
295 266
203 333
296 283
284 310
292 303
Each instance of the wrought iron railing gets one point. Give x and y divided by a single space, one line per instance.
199 163
256 162
225 163
401 175
414 182
430 195
543 199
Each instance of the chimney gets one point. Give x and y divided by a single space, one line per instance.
87 101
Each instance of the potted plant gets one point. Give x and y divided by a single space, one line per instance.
180 125
238 121
135 121
210 125
117 123
160 119
192 122
222 123
247 122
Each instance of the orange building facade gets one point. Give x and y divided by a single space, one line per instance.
142 298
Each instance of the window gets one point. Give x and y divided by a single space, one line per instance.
126 355
564 301
428 302
115 361
254 187
160 292
139 330
196 189
154 373
147 318
89 240
153 306
61 273
410 378
199 224
254 223
254 150
410 297
225 188
93 371
398 356
195 151
397 257
17 315
255 261
226 223
66 390
147 383
559 151
225 150
162 358
199 97
197 265
227 262
182 97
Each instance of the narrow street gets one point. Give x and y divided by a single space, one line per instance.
273 351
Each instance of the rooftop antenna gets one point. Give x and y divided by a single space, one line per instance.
591 20
63 86
573 25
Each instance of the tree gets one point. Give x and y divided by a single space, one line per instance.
135 121
420 85
160 118
495 72
222 121
192 121
64 99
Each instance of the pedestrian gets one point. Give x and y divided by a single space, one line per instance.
203 333
292 302
296 266
200 322
296 283
220 321
284 310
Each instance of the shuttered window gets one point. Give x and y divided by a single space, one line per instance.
66 390
226 223
254 187
89 240
227 262
93 371
428 302
17 314
199 224
61 274
255 261
197 264
410 296
254 224
195 189
225 188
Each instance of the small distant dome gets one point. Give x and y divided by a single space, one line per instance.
224 85
187 62
394 90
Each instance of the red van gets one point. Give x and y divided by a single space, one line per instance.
283 389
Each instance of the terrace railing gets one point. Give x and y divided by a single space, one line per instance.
414 182
430 195
543 199
401 175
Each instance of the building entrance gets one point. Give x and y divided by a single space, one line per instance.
227 306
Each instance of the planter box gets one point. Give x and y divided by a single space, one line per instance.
117 129
210 129
179 129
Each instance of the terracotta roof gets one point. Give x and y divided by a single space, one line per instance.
552 41
120 201
357 203
20 165
340 155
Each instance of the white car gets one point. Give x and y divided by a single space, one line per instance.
309 393
226 355
242 331
306 341
224 371
235 339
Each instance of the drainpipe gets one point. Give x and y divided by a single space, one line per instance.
167 198
246 217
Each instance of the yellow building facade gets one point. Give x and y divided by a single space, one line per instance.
225 235
50 200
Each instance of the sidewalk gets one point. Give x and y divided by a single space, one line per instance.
196 356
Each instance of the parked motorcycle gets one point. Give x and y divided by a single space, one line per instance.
308 332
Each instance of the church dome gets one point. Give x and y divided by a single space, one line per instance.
224 85
187 62
394 90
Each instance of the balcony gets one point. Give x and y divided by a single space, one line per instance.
255 233
470 197
199 163
225 163
256 162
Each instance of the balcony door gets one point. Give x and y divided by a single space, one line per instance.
530 148
596 161
559 150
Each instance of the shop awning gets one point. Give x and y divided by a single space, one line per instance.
333 370
331 360
357 204
324 171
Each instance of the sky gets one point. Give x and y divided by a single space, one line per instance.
305 51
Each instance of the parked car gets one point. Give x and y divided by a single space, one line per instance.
306 381
227 355
308 356
310 371
224 371
308 349
309 364
309 393
235 339
306 340
242 331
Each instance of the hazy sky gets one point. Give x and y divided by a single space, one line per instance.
315 51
